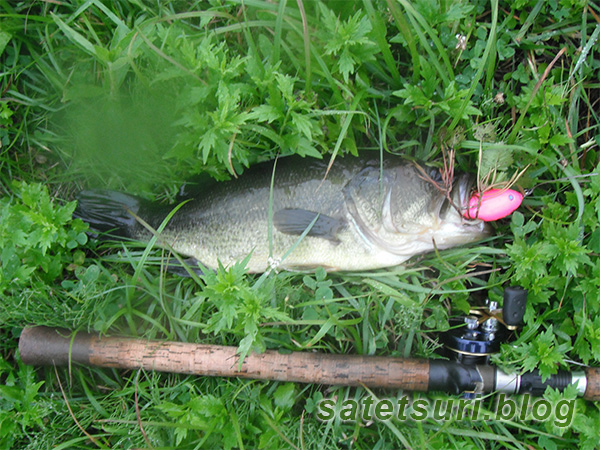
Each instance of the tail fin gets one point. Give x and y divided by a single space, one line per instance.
108 211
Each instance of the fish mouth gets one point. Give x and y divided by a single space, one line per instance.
453 204
464 185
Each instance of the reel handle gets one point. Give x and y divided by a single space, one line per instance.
513 306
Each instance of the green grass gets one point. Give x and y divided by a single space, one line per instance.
176 89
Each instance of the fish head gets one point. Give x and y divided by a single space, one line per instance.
402 212
449 224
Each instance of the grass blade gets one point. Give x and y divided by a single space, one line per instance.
483 64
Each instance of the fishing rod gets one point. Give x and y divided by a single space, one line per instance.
468 372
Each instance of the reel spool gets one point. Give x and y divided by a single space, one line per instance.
474 338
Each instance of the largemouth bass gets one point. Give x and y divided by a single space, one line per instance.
363 215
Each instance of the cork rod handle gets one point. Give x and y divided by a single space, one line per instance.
50 346
592 391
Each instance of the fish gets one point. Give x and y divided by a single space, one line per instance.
362 213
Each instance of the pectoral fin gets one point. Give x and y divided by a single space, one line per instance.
296 221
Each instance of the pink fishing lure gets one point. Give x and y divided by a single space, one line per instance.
494 204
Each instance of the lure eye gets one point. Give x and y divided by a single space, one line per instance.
494 204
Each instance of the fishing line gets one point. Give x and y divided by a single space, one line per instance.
528 192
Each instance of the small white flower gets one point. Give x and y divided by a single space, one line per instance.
273 263
499 98
462 42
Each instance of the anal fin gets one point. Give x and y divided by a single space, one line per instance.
174 266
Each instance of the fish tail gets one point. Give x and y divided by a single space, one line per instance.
108 211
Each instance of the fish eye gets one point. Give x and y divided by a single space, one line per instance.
511 197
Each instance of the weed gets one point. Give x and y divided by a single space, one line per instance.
141 96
